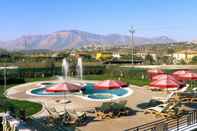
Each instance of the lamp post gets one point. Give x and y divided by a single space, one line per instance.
5 76
132 31
5 57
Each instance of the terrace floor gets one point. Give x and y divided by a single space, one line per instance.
140 95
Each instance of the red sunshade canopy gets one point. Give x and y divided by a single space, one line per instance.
163 76
121 83
64 87
155 71
166 76
180 72
110 84
165 83
188 76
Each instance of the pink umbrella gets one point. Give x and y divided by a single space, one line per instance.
166 76
64 87
163 76
188 76
155 71
180 72
122 84
164 83
109 84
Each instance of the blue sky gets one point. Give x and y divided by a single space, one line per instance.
173 18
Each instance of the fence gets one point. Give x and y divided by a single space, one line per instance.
168 124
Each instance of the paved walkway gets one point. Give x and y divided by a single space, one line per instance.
140 95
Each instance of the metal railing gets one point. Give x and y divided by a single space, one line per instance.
168 124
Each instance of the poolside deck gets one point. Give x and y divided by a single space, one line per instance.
140 95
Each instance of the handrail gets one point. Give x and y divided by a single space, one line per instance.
168 124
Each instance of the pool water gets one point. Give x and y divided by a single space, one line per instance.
43 92
107 94
89 93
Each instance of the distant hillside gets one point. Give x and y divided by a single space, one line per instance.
73 39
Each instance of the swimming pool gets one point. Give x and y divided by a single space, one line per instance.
42 92
89 94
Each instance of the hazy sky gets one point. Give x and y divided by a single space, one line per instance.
174 18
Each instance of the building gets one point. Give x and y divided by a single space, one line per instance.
103 56
185 55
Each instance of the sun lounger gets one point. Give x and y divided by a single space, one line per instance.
194 89
75 117
164 99
164 110
171 95
64 101
154 89
158 108
184 89
53 113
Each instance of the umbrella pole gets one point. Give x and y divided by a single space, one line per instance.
65 101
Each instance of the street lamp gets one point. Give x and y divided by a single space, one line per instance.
132 31
5 57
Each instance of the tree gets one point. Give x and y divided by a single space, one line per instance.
171 52
149 60
166 60
194 60
182 62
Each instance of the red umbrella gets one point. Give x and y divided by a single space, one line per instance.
163 76
109 84
180 72
64 87
164 83
122 84
166 76
155 71
188 76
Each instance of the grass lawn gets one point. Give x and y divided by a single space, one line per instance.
5 104
38 79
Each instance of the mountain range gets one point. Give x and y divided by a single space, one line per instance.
75 38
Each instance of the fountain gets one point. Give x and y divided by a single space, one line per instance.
79 68
65 68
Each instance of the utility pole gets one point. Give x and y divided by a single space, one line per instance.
132 31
